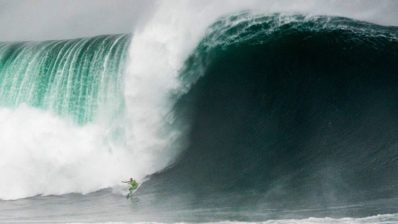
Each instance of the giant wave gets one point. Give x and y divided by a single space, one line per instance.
276 115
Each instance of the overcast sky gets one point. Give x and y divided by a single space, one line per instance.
63 19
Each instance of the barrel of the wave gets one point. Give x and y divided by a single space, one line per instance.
288 111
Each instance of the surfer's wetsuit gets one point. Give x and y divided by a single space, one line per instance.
132 186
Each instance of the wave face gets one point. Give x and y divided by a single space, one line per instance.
288 112
70 78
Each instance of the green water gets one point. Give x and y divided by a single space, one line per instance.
80 79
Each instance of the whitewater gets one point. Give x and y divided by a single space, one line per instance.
79 116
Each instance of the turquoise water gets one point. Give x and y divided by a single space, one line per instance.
80 79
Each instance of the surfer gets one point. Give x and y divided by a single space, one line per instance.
133 185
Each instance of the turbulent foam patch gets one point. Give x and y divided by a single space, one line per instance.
44 154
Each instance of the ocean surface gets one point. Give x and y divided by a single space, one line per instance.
268 118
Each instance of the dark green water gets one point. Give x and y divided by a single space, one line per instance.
289 112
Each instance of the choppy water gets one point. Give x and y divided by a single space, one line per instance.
109 206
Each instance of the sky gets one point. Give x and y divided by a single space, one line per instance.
65 19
